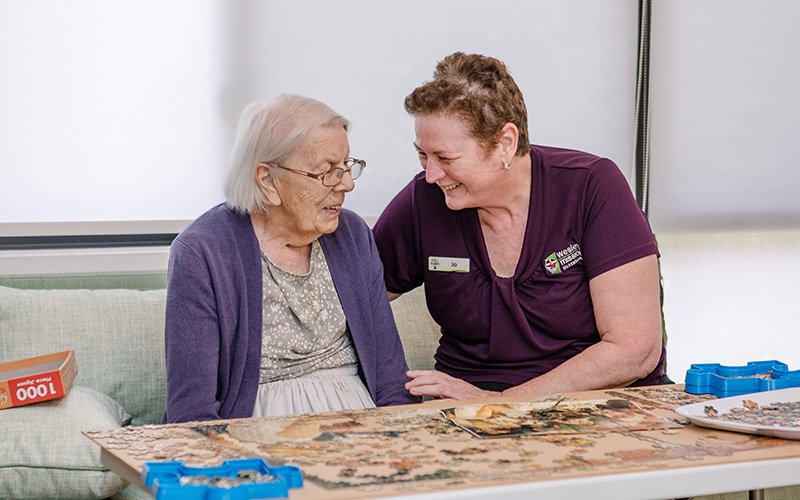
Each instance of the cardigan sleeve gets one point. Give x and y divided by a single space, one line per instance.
192 338
357 273
391 377
213 320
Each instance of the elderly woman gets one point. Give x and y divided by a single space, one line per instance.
275 300
538 265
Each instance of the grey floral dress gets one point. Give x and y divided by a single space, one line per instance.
308 361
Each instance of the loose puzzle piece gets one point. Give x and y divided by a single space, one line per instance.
726 381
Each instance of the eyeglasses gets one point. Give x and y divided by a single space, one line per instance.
334 175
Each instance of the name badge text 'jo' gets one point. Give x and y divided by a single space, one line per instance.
448 264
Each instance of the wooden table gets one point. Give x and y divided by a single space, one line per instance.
414 452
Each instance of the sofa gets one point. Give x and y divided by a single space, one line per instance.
114 323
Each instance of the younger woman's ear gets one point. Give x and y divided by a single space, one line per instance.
508 139
266 182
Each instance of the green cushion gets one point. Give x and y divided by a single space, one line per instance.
117 336
418 331
134 280
45 454
132 493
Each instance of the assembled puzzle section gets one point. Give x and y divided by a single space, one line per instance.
243 479
726 381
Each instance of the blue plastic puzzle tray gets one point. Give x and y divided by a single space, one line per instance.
726 381
233 480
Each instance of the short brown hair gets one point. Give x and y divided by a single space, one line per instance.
480 91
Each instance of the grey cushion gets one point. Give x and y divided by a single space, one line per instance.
45 454
117 336
132 493
418 331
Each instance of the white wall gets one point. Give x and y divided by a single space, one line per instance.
725 76
117 110
110 109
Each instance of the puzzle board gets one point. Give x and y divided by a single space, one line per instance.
401 450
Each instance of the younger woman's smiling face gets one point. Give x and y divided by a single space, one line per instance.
455 162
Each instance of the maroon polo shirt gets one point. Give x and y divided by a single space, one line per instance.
582 222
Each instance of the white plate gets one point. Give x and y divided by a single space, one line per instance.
696 413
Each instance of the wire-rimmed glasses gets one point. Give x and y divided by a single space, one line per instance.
332 176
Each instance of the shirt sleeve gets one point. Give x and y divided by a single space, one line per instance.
397 238
616 230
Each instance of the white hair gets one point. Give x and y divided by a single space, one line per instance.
270 132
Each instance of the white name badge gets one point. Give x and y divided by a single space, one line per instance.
448 264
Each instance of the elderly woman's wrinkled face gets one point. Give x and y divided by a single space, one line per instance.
311 208
454 161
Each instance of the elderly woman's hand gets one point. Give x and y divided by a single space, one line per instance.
443 386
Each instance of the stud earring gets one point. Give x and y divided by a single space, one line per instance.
507 166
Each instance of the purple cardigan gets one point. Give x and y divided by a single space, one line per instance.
213 330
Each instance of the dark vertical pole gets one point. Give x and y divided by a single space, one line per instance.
642 145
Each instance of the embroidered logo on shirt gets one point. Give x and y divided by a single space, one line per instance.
448 264
558 262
